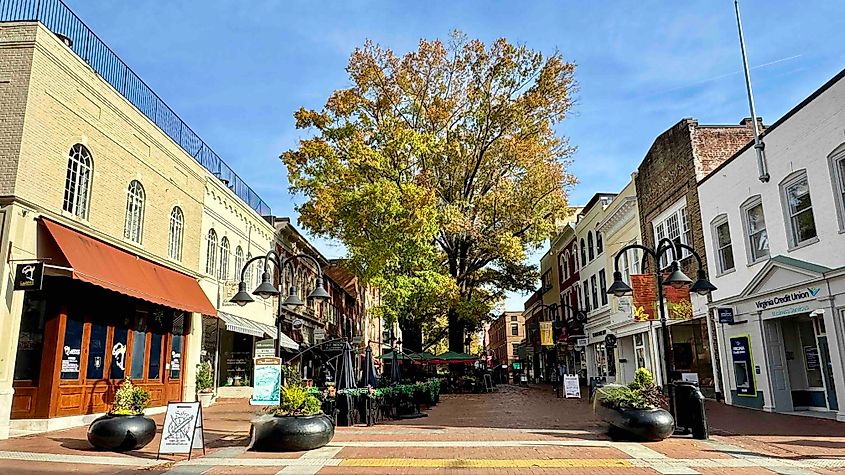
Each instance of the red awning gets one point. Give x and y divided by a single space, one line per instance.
106 266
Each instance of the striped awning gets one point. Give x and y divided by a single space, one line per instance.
238 324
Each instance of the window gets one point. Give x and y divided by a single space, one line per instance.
224 258
599 244
154 364
177 228
134 222
724 249
583 253
676 227
755 230
515 348
625 268
837 163
118 353
248 273
595 292
72 349
96 351
514 329
139 346
547 280
586 295
239 263
78 181
603 286
799 209
590 250
211 253
513 318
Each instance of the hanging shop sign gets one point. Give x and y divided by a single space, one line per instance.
610 341
546 338
678 302
29 276
788 298
182 430
319 334
571 386
645 297
582 342
266 381
726 315
743 366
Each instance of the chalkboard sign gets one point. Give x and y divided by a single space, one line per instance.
182 430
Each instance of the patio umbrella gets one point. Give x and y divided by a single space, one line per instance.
345 380
395 375
455 357
368 376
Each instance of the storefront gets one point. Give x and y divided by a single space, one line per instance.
691 357
102 316
780 350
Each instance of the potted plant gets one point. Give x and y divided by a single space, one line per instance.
124 427
205 384
297 423
634 411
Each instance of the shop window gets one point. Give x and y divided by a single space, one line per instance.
117 370
134 221
798 206
154 364
72 349
176 357
78 181
639 350
139 348
724 247
810 350
755 230
31 337
96 351
177 230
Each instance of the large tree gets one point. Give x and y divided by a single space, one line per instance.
441 160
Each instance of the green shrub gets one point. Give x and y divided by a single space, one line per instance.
205 380
130 399
641 393
296 400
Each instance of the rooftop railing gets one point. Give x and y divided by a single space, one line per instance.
60 19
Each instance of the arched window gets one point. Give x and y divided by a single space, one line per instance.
134 223
590 250
248 273
583 253
211 253
599 244
177 230
239 263
78 181
224 258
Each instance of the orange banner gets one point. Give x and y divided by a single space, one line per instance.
678 302
645 297
546 338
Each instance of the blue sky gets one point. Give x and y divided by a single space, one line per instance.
236 71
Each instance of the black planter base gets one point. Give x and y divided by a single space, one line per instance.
637 424
291 434
121 433
416 415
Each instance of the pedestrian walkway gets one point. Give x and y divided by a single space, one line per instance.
513 430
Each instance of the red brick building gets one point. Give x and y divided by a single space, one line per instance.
503 337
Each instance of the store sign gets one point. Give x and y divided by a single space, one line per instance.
582 342
743 366
645 297
785 299
266 381
319 334
726 315
265 348
678 302
517 366
610 341
571 386
182 430
29 276
546 338
783 312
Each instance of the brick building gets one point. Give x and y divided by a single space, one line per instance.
668 205
503 337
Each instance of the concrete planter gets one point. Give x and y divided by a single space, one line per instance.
205 399
291 433
119 433
642 424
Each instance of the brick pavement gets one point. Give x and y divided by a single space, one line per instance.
513 430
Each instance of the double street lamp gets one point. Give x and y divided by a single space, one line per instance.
676 279
266 289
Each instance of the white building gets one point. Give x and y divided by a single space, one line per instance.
778 264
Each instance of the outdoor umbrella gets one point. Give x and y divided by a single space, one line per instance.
395 375
345 379
368 376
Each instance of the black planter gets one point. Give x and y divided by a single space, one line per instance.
640 424
291 433
119 433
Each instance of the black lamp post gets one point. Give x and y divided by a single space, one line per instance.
266 289
676 279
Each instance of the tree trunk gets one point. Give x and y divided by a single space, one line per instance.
411 336
456 332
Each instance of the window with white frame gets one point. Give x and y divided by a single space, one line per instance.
239 263
674 226
724 248
599 243
134 221
586 295
603 286
211 253
583 253
755 230
224 259
594 292
799 209
177 231
248 272
837 165
625 267
78 181
590 250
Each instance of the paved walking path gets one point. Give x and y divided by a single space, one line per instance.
513 431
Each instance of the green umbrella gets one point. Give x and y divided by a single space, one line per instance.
455 357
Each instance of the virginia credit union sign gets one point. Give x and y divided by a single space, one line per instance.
788 298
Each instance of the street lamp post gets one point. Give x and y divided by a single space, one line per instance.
266 289
676 279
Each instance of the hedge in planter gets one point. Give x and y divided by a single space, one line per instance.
124 427
634 411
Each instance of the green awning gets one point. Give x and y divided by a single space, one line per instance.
453 356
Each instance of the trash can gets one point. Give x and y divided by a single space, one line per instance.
690 415
595 383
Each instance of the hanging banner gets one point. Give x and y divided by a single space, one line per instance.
645 297
546 338
678 302
266 381
182 430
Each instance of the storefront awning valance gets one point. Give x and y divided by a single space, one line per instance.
286 342
106 266
238 324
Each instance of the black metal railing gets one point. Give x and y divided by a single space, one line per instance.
60 19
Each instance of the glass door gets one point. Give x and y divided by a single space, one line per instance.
826 365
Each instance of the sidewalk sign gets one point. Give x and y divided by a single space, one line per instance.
266 381
571 386
488 383
182 430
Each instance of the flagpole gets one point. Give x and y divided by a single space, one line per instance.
759 146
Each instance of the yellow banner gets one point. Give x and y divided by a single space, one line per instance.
546 338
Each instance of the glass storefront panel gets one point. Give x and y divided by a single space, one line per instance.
118 353
31 337
96 351
72 349
139 347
